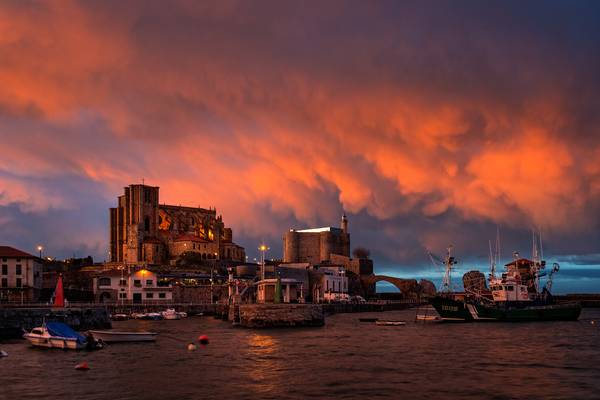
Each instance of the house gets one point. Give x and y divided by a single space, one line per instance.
138 287
329 284
291 291
20 276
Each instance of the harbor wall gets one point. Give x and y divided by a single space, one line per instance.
14 320
279 315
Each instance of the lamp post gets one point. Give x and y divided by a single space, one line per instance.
211 285
263 249
40 248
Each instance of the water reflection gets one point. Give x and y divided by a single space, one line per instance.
267 364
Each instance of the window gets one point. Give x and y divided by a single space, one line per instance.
122 295
19 282
4 269
18 269
147 197
162 295
104 281
4 282
149 295
137 282
149 282
147 224
122 282
510 288
3 259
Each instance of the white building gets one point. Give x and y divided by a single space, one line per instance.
333 285
138 287
20 276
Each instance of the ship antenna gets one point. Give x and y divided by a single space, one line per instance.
541 246
492 261
497 245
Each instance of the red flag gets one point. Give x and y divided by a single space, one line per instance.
59 296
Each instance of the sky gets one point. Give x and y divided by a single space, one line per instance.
430 123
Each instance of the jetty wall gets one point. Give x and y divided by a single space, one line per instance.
279 315
14 320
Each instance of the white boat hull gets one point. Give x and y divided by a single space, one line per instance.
390 323
53 342
116 336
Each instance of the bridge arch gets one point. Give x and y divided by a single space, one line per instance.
404 285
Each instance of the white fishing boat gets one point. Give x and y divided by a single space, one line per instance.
171 314
182 314
119 317
123 336
390 323
56 335
3 354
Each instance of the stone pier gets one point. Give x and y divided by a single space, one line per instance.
278 315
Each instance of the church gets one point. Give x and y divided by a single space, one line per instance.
144 231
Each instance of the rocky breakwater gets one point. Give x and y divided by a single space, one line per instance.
280 315
14 320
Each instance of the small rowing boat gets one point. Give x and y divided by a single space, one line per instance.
368 319
123 336
390 323
427 318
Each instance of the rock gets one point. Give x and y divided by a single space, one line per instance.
474 281
427 287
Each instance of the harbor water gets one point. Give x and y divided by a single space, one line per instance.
345 359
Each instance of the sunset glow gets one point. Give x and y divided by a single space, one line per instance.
426 128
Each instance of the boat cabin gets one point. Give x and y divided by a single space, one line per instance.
509 288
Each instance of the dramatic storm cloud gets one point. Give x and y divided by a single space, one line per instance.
428 123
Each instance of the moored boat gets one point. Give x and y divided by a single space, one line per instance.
119 317
368 319
171 314
56 335
513 296
123 336
390 323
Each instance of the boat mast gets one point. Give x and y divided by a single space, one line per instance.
448 264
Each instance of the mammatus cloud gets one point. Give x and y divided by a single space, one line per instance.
429 126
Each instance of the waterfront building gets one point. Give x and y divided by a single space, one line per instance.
329 284
20 275
141 286
316 245
291 291
143 231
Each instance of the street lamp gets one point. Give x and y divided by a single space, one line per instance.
40 248
263 248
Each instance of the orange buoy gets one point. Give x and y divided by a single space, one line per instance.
203 339
82 366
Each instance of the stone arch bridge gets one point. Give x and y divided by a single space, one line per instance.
406 286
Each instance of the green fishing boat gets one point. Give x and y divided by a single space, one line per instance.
513 296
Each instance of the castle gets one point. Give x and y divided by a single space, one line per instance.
316 245
144 231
